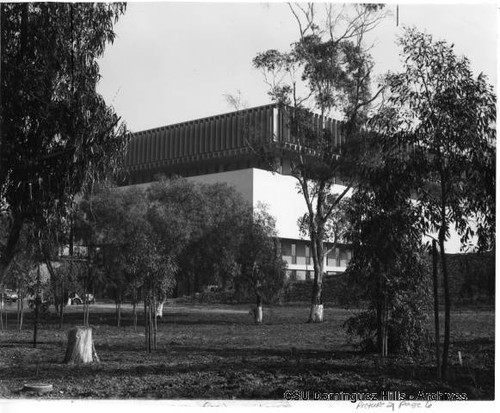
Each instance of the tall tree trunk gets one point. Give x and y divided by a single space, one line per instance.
2 305
382 313
134 315
37 305
379 314
61 311
61 302
134 310
155 324
10 247
20 311
150 327
85 287
316 313
118 309
447 306
148 323
385 327
436 305
146 326
58 292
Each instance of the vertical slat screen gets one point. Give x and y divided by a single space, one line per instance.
227 131
234 131
262 121
156 146
197 138
168 143
223 132
203 137
176 142
213 141
141 148
162 144
218 140
224 136
183 140
191 138
147 154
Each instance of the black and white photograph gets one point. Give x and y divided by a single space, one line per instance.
237 204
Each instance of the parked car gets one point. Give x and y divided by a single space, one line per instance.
75 299
10 295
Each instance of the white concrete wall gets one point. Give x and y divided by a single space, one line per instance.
280 193
286 203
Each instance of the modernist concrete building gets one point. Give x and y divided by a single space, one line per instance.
219 149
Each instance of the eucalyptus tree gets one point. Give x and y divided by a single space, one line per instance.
443 118
58 135
388 267
327 71
139 241
153 263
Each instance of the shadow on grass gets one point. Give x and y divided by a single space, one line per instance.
237 363
29 343
316 367
52 321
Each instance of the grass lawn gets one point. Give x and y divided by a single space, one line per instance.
216 352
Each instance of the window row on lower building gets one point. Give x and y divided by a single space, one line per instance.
306 275
298 252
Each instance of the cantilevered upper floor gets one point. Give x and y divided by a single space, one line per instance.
215 144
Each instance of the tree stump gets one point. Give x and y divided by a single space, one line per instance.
81 347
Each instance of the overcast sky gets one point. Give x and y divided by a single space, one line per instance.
173 62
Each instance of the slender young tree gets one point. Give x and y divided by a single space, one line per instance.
326 72
22 274
156 271
444 118
262 271
111 220
139 238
